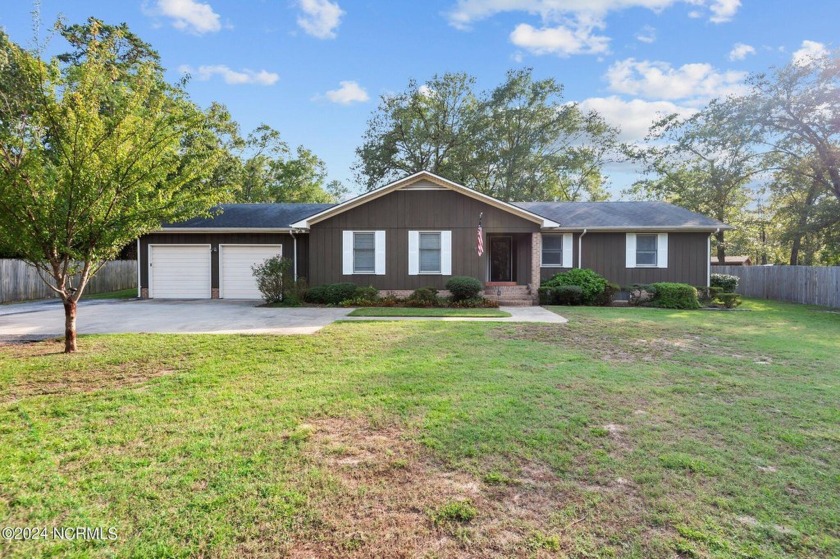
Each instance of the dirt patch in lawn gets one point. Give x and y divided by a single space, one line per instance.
389 497
74 378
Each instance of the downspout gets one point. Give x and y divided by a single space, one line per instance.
580 248
294 252
138 267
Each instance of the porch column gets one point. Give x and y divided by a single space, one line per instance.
536 257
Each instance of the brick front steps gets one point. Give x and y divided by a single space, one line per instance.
509 294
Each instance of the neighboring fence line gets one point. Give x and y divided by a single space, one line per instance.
812 285
20 282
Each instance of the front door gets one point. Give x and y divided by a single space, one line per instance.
501 259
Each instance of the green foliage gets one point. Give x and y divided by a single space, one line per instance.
674 295
454 511
519 141
568 295
368 293
724 282
546 295
729 300
97 149
474 303
592 285
605 298
273 275
331 294
463 287
423 297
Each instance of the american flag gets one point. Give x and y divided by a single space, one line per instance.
479 239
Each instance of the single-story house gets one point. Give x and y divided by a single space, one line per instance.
421 230
732 261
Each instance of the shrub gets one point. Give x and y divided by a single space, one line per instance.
568 295
591 283
330 294
273 278
675 296
463 287
605 298
547 296
368 293
729 300
423 297
316 294
725 282
338 292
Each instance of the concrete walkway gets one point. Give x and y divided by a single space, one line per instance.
517 314
32 321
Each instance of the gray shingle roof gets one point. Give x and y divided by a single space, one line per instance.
620 215
256 216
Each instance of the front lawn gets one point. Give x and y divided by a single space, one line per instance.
434 311
130 293
624 433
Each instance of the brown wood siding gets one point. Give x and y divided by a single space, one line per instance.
398 213
606 254
214 240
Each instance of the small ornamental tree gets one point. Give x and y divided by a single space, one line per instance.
96 149
273 278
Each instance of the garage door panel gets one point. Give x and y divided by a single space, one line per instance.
236 262
180 272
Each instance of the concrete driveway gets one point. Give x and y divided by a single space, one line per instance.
40 320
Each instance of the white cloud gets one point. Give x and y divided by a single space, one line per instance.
232 77
723 10
188 15
349 92
810 50
740 51
659 80
559 40
647 34
320 18
634 117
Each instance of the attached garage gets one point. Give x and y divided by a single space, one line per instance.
179 271
236 278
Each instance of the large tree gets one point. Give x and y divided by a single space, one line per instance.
519 141
704 163
96 149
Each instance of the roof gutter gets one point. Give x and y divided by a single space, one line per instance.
223 230
630 229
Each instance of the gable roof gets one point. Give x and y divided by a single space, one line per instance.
622 216
424 180
251 217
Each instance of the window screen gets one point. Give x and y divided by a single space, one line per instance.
552 250
429 253
646 250
364 257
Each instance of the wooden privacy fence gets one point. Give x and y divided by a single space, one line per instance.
811 285
20 282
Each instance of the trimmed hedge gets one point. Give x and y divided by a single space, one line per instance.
568 295
592 284
725 282
331 294
674 295
463 287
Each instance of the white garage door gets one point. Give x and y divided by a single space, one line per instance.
179 271
237 278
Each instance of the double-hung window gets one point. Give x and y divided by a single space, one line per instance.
647 250
363 252
557 251
430 252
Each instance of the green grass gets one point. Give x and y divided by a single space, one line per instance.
121 294
434 312
624 433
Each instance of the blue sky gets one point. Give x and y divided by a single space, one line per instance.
314 69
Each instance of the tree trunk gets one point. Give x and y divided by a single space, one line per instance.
69 325
794 249
721 249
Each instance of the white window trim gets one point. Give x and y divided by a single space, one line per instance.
445 253
347 264
661 251
567 254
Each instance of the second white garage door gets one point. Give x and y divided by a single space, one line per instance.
235 274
